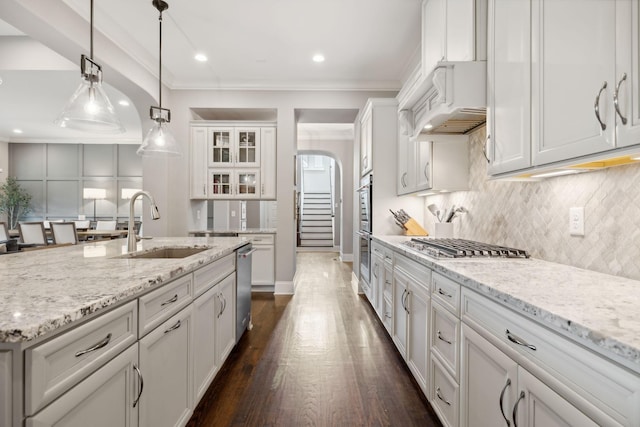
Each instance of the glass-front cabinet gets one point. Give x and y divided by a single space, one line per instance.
220 147
228 183
234 147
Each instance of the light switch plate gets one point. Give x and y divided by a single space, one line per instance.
576 221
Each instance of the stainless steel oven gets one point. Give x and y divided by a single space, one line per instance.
365 194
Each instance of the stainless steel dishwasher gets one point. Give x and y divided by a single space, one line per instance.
243 289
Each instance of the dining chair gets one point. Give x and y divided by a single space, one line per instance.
64 232
106 225
4 231
47 223
82 224
32 233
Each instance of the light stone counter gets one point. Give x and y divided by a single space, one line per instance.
597 310
43 290
214 231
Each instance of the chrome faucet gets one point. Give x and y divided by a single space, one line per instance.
132 238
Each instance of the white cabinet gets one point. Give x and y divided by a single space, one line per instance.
198 163
263 259
268 156
109 397
205 365
234 183
628 77
6 381
167 369
225 318
239 147
452 30
366 140
400 320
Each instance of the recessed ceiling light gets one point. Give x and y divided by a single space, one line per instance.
123 102
201 57
318 57
17 131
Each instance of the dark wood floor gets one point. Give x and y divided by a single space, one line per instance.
320 358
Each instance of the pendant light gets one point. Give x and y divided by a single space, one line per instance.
159 140
89 108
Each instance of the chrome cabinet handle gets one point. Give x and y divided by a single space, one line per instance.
224 304
174 327
406 302
504 389
387 315
440 396
141 382
441 338
404 292
387 282
95 347
426 171
516 339
596 106
221 308
402 180
204 189
443 293
375 270
615 99
170 301
514 415
484 148
262 191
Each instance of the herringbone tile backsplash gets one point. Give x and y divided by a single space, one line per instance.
535 215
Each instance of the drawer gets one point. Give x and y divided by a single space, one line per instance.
157 306
206 277
445 394
56 365
573 371
260 239
445 337
447 292
418 272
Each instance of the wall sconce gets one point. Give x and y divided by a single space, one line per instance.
95 194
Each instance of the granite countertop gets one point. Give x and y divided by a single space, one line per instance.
235 230
595 309
46 289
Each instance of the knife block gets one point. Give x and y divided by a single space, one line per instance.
414 229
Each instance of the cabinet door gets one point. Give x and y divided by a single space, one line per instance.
418 333
461 30
248 147
221 183
225 318
268 163
220 146
198 154
263 265
573 78
104 399
406 165
247 184
423 165
508 146
434 21
488 382
539 406
400 286
628 73
366 141
165 362
205 365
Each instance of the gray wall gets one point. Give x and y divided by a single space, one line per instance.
535 215
56 174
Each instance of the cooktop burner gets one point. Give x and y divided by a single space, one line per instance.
460 248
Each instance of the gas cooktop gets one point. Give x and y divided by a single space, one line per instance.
461 248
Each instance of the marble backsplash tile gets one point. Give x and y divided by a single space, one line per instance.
535 215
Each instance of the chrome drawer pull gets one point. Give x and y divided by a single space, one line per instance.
441 338
615 99
596 106
516 339
170 301
440 396
441 292
504 389
95 347
174 327
514 416
141 386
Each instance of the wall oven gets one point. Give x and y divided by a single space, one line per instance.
365 229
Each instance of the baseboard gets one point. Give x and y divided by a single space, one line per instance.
284 288
346 257
262 288
355 283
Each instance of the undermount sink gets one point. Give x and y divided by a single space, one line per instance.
166 253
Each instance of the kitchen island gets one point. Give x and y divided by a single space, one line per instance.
113 314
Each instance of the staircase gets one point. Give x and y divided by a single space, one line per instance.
316 228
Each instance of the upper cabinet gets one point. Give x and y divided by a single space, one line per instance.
366 140
233 162
452 30
563 82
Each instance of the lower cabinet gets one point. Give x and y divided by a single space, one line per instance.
6 381
107 398
225 318
205 363
263 259
166 365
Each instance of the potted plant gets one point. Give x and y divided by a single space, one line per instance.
14 201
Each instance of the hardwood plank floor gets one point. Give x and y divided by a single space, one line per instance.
319 358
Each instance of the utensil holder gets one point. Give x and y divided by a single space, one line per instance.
443 229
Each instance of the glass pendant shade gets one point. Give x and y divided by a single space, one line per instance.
159 141
89 109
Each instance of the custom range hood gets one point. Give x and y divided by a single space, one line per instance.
451 99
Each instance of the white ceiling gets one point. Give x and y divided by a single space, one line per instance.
261 44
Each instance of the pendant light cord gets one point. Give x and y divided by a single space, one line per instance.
91 32
159 64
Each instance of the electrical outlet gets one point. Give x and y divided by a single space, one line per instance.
576 221
233 214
